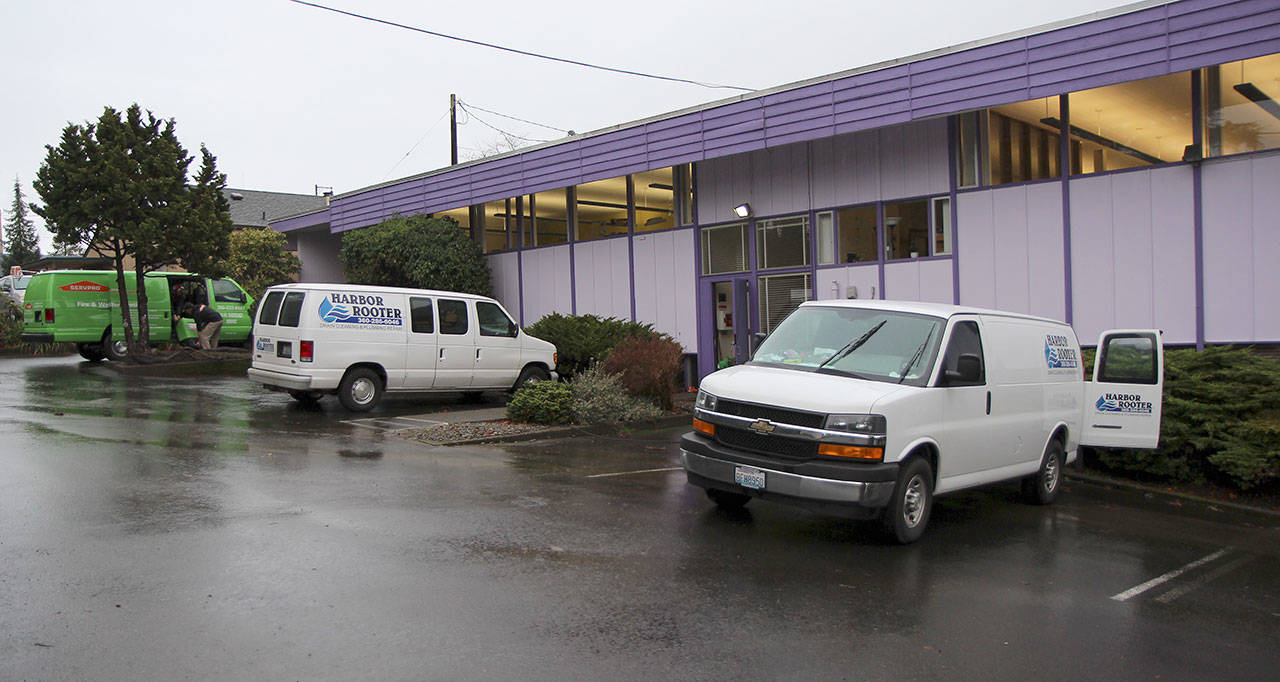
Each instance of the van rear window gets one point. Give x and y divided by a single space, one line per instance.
270 308
291 309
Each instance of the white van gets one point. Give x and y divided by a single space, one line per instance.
867 409
359 341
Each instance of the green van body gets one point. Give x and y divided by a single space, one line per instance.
86 309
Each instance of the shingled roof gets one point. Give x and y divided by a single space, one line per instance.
254 208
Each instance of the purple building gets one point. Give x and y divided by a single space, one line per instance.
1117 170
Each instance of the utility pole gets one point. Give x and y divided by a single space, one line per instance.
453 130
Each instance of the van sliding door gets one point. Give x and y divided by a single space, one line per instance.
1122 402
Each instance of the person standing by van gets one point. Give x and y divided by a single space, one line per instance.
208 324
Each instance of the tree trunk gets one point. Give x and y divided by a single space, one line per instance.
144 318
125 318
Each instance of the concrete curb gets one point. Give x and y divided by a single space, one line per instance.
573 430
1182 500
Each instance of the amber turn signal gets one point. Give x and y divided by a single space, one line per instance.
704 427
851 451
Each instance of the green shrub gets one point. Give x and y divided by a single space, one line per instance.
544 402
647 367
1221 421
10 323
598 398
584 339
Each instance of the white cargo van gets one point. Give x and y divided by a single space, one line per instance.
868 409
360 341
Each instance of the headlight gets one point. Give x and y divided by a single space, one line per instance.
868 424
706 401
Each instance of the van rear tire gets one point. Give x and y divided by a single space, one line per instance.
360 390
1044 486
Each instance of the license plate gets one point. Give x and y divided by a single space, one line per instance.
748 477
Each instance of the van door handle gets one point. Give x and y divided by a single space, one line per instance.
988 402
477 353
441 353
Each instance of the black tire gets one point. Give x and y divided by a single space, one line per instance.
531 375
1043 488
360 390
904 520
91 351
306 397
116 351
727 500
193 344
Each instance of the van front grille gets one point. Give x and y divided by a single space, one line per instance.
779 446
811 420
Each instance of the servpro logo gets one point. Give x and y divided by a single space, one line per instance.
85 285
361 309
1058 353
1124 403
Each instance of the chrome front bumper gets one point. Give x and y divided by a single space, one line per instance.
799 487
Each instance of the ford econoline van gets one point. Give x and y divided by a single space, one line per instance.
361 341
868 409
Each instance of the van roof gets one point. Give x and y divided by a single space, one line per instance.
934 309
87 273
371 289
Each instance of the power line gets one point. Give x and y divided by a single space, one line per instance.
415 145
523 52
500 130
540 125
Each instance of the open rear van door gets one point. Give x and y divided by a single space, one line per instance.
1122 402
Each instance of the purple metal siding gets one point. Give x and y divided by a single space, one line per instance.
302 221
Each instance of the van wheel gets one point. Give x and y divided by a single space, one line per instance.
904 520
360 390
117 351
306 397
727 500
1044 486
531 375
91 351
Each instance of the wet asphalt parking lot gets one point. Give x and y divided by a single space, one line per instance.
192 527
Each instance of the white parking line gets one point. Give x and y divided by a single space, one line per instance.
1160 580
638 471
356 422
1211 575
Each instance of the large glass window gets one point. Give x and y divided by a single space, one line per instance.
655 199
1130 124
906 229
857 234
1242 106
498 221
969 139
782 242
1023 141
550 218
724 249
602 208
779 295
826 222
942 226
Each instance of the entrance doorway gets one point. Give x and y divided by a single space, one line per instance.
730 325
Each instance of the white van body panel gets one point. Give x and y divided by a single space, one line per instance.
418 340
975 429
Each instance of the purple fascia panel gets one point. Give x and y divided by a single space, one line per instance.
299 222
819 114
1011 78
938 72
1097 80
1151 51
727 129
1205 26
895 96
801 134
1154 15
1012 90
1094 45
1222 50
690 145
821 100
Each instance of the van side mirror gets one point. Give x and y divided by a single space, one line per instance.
968 370
757 339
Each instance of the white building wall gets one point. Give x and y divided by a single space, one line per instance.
665 284
603 285
546 282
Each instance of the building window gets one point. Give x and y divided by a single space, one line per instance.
779 295
969 143
1023 142
682 176
782 242
1130 125
906 229
602 208
857 234
655 199
942 226
498 222
1242 106
724 249
550 214
826 238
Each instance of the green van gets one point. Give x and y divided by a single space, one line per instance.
83 307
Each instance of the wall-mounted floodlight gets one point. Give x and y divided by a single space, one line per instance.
742 210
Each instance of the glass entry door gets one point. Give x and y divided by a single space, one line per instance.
731 323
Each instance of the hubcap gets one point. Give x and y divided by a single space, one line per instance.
362 391
1051 474
120 347
913 502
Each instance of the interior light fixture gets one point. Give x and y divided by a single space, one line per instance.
1258 97
742 210
1104 141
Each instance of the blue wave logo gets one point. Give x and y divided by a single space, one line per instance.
1051 356
330 312
1105 405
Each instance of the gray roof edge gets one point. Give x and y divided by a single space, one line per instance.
757 94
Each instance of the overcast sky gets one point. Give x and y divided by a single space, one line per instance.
289 97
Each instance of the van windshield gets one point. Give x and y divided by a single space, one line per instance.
880 345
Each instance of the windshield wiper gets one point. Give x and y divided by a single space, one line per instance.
902 373
852 345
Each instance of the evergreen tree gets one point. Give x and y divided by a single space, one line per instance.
415 251
20 240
